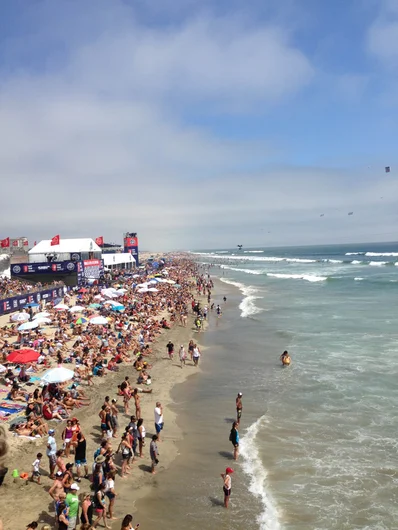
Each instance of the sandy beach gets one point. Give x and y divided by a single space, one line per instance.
37 503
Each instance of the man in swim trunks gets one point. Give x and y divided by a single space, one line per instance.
170 349
137 400
239 407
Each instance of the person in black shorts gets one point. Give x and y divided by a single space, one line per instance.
239 407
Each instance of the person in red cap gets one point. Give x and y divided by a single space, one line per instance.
227 485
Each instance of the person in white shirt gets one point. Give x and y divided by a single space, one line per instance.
158 418
36 468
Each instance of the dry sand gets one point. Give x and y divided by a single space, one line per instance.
35 502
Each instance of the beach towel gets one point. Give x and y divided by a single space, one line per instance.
4 405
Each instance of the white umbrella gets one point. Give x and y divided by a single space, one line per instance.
99 297
99 321
77 308
43 320
20 317
170 281
28 325
43 314
110 294
2 369
139 285
61 307
153 290
58 375
112 302
121 291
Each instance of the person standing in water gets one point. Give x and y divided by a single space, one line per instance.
234 439
227 485
239 407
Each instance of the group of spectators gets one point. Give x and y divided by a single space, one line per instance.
14 287
93 351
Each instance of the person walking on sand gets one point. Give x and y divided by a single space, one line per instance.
80 456
234 439
227 485
159 422
51 452
154 453
72 501
196 355
137 401
239 407
183 355
36 469
170 350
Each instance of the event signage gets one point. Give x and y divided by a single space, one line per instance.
21 269
131 247
93 268
16 303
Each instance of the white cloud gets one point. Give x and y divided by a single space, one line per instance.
383 33
100 141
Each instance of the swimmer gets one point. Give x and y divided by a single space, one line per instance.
285 358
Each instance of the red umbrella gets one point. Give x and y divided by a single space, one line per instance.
83 290
23 356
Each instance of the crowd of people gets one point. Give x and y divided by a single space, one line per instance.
83 486
14 287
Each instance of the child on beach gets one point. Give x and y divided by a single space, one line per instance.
36 468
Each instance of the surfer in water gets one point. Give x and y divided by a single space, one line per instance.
285 358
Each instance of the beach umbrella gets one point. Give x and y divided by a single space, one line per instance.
42 320
58 375
111 302
33 304
81 320
98 297
154 280
23 356
121 291
77 309
20 317
176 285
171 282
118 307
43 314
94 306
3 369
98 321
83 290
28 325
61 307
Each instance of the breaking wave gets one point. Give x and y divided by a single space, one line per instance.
307 277
247 305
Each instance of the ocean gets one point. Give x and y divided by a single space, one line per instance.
318 439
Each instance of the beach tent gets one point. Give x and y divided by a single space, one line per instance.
85 247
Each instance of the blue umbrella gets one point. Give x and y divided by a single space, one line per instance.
118 307
33 304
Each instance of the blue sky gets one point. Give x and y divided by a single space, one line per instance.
198 122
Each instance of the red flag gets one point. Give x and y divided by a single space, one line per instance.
99 241
15 243
26 243
55 240
35 243
5 243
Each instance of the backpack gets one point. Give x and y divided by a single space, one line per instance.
97 452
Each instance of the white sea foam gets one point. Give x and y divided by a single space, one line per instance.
247 305
333 261
378 263
381 254
254 468
247 271
357 262
354 253
253 251
306 277
358 279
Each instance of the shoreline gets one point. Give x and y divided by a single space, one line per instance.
166 375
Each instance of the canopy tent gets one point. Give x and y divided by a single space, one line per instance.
84 244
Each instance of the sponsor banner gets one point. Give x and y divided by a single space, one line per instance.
93 268
22 269
16 303
75 256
